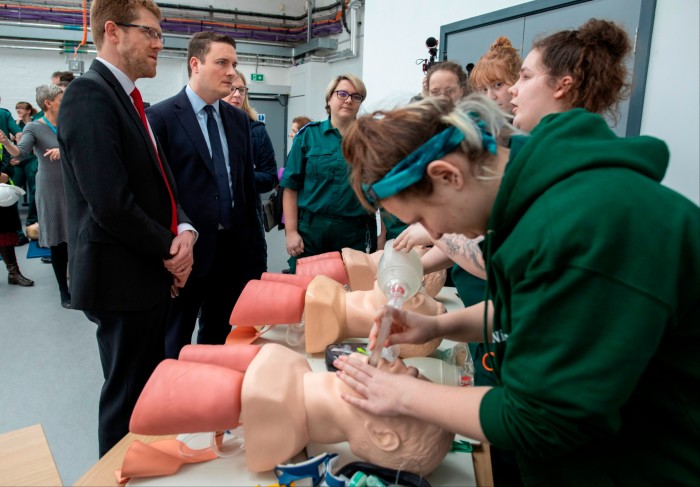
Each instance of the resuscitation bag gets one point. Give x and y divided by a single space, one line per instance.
10 194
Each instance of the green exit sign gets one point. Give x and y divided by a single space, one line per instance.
257 77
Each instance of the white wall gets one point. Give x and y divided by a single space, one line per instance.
671 106
27 69
673 92
389 62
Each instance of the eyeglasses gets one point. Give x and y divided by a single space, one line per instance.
448 92
240 89
149 31
343 95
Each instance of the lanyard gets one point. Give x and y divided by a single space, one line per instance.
51 126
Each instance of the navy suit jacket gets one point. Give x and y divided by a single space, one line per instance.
119 210
175 125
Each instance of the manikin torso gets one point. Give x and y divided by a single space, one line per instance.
272 410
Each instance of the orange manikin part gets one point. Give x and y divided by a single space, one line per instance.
236 357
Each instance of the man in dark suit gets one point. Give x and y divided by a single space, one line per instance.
129 242
207 143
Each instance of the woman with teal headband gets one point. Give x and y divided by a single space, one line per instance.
593 321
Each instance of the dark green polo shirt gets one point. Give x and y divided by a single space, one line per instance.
316 169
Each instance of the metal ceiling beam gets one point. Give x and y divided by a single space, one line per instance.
48 32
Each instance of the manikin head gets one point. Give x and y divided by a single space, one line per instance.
331 315
397 442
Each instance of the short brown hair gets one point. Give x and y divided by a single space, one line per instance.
119 12
500 63
301 121
593 55
453 68
354 81
375 143
201 42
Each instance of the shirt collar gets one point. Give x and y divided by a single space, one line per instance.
326 125
125 82
197 103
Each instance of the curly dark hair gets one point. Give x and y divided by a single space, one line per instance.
594 56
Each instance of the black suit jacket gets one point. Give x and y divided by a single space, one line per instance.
119 209
175 125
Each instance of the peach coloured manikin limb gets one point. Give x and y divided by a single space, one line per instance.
330 313
329 264
277 395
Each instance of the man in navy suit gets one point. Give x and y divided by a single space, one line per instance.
207 143
129 242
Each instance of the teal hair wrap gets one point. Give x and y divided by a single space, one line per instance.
411 169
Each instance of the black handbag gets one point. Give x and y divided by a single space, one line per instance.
272 210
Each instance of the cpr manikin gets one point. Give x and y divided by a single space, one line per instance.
330 314
282 406
358 270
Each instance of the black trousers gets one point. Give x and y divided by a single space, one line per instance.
131 346
210 298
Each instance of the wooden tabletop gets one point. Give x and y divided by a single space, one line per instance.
25 459
102 473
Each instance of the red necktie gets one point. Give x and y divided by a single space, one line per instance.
138 103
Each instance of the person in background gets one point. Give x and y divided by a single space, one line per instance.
447 80
297 124
493 75
13 131
40 141
496 71
208 145
62 78
263 152
25 171
129 242
321 212
10 226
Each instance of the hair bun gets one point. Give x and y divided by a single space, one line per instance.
501 42
605 36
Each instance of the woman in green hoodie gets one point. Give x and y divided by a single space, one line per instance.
594 279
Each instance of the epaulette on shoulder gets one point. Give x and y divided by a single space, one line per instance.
310 124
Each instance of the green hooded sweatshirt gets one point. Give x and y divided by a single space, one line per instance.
594 271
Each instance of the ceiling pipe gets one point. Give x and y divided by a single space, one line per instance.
354 7
310 4
249 14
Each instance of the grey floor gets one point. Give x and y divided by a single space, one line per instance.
50 370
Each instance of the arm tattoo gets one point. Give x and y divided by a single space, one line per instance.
459 245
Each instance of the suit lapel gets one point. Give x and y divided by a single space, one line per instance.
128 104
188 120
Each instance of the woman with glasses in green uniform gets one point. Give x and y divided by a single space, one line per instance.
322 213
